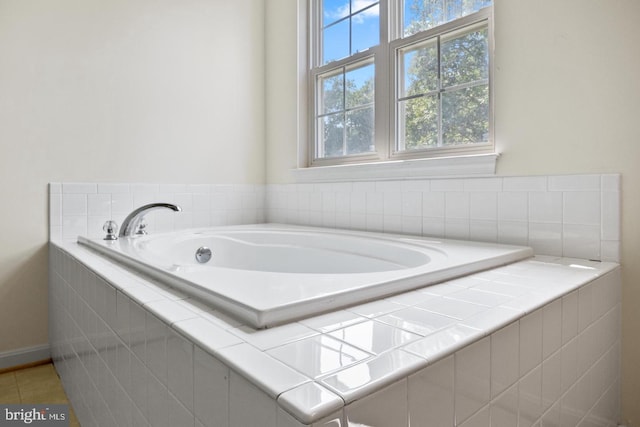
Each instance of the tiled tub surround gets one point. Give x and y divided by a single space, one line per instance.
568 215
534 343
81 209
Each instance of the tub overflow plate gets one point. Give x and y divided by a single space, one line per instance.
203 254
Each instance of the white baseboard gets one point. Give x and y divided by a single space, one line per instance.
23 356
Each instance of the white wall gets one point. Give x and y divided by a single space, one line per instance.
117 91
567 97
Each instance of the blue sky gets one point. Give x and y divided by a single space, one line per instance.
363 25
364 22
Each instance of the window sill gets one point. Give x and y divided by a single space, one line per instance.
473 165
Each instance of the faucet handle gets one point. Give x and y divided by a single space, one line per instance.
142 227
111 228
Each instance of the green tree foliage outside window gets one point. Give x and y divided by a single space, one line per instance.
442 98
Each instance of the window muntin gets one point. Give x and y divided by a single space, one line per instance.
443 94
424 97
346 105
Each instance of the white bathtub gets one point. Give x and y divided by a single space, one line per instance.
270 274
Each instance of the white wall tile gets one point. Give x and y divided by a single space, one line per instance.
456 228
412 203
513 232
472 379
545 207
483 184
529 397
309 399
551 380
318 355
574 183
248 406
79 188
447 185
505 350
483 231
518 201
530 341
551 332
545 238
431 395
585 307
433 227
211 390
373 336
513 206
286 420
156 342
581 207
433 204
272 376
99 204
356 381
110 188
610 215
569 360
178 414
589 357
504 408
483 205
457 205
74 204
569 316
180 368
385 408
525 183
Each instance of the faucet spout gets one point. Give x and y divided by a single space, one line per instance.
132 223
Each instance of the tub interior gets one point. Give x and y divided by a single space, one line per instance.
285 252
270 274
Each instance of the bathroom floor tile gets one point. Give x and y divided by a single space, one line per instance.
9 388
36 385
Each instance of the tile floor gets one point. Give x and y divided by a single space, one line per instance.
39 384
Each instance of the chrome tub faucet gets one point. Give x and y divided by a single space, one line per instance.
133 224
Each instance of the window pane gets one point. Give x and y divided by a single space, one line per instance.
418 119
332 134
334 10
420 69
420 15
359 86
365 28
465 116
335 42
458 8
359 125
465 58
358 5
332 96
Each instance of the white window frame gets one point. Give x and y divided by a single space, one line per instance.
384 58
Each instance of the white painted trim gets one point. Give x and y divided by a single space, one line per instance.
471 165
23 356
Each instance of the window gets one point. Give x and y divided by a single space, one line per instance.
399 79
